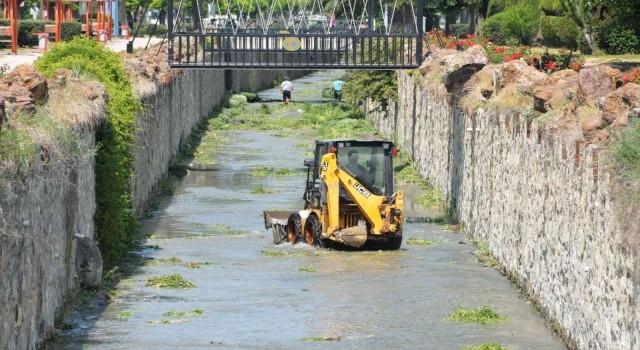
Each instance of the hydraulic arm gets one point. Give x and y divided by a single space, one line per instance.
372 206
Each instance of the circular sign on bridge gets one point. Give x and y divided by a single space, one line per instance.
291 43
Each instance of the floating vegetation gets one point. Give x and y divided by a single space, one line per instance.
197 265
209 230
405 171
484 254
430 220
154 247
262 171
171 261
259 189
196 312
254 150
158 235
167 321
486 346
308 154
482 315
170 281
429 199
124 314
271 252
321 339
202 235
303 145
307 269
282 134
420 241
330 120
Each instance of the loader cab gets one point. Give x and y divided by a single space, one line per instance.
370 162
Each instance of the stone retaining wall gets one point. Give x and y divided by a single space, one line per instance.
167 120
47 210
541 199
43 209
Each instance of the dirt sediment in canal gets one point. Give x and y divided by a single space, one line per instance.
523 160
47 189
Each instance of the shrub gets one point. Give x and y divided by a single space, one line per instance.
27 27
460 30
560 31
147 29
238 100
622 39
377 85
70 30
519 22
493 29
116 228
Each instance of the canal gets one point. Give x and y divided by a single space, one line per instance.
249 294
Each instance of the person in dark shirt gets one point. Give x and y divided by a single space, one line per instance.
353 166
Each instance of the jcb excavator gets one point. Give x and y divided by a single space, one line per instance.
349 199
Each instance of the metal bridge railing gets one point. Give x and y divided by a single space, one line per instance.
250 49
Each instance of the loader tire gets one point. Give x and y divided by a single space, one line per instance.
393 243
313 232
294 229
279 234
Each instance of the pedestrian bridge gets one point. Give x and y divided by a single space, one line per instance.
296 34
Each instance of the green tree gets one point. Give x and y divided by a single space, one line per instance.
580 12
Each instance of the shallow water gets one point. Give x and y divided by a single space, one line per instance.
370 300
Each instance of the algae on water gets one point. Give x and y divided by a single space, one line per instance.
482 315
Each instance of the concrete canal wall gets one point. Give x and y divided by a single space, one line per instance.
541 197
173 108
47 207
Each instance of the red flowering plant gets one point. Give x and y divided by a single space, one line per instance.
550 63
633 77
450 42
499 54
544 62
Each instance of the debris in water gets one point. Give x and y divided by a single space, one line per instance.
196 312
170 281
321 339
420 241
307 269
484 315
486 346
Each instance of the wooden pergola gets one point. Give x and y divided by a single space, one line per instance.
11 12
63 11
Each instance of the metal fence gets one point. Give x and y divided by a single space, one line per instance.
310 51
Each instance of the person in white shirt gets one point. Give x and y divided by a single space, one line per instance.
286 88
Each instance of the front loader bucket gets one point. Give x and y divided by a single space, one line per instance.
354 236
276 218
277 222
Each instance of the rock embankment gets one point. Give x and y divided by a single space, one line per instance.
521 158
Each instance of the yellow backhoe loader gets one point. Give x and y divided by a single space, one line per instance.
349 199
